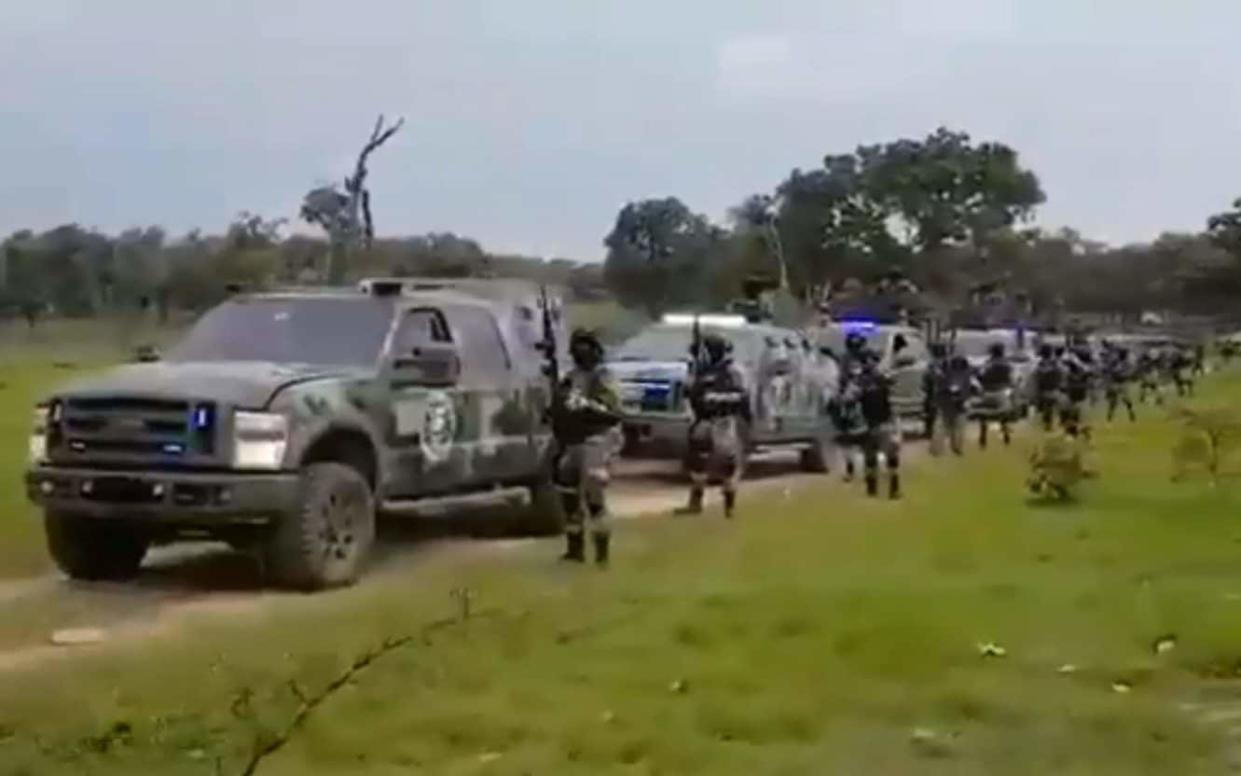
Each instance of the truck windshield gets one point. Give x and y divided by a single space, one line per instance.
671 343
977 344
340 332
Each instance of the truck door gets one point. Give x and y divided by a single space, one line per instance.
497 414
423 415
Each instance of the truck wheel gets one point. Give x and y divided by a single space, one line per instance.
545 513
327 541
817 458
90 549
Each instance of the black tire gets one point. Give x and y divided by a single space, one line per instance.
545 513
816 459
327 542
94 550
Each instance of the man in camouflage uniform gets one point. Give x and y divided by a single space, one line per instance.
845 409
587 427
931 380
1148 377
1048 387
882 432
1116 376
720 401
996 402
1077 381
953 385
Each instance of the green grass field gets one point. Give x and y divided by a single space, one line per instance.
818 633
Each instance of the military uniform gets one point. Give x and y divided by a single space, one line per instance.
882 433
1057 465
951 385
720 400
588 438
996 401
1076 395
1179 366
845 408
1116 377
1048 389
1148 378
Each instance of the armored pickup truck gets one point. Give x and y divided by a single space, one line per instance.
285 421
791 385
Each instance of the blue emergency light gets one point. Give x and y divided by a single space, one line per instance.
858 324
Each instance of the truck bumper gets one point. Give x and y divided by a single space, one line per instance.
667 434
165 496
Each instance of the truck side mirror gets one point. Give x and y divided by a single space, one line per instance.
435 365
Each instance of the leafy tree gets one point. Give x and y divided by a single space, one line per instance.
661 254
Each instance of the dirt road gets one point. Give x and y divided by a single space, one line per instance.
188 581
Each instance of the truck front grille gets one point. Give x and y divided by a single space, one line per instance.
129 429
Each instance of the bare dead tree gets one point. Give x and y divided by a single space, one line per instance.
346 215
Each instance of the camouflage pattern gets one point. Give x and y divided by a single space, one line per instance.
485 428
1057 465
718 435
584 461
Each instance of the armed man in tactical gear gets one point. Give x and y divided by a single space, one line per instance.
882 432
953 384
1048 386
1116 376
845 408
720 400
586 421
996 402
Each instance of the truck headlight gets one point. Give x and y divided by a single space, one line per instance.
38 436
259 440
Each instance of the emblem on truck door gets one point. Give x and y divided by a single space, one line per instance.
439 426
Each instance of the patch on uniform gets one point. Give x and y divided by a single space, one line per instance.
439 426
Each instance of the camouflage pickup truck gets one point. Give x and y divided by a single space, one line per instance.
286 421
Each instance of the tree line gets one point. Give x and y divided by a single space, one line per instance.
78 272
952 215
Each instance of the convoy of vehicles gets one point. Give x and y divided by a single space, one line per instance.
287 420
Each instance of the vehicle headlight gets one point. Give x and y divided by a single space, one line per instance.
38 436
259 440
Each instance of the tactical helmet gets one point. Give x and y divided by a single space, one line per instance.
996 350
938 350
585 341
716 346
1046 351
854 341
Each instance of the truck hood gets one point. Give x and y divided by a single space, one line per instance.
658 371
246 384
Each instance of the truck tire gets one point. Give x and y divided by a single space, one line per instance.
545 512
817 458
327 541
94 550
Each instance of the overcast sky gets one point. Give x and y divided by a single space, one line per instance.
530 122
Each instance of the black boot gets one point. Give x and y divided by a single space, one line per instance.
894 486
872 484
575 549
601 549
730 502
694 507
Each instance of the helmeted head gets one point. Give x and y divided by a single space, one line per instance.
854 342
996 350
716 348
959 363
1046 352
939 350
585 348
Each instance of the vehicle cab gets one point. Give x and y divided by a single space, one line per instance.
789 379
